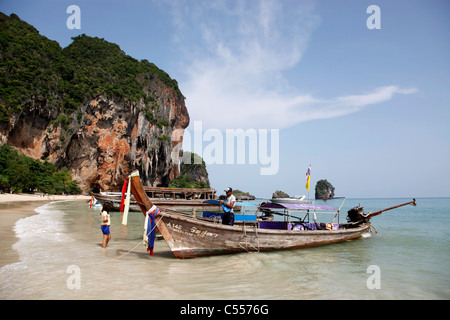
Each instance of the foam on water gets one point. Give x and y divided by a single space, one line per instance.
42 241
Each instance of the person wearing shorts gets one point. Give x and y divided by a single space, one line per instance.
106 224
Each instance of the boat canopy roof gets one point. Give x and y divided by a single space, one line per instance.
296 206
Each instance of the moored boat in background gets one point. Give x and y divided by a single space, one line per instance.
115 198
300 199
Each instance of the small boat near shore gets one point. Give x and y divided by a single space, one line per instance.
290 200
180 193
115 198
189 236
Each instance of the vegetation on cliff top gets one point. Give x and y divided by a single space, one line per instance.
36 70
193 173
242 195
19 173
324 189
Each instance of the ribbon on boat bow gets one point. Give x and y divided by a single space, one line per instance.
124 191
126 197
150 228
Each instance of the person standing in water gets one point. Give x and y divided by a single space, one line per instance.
228 216
106 223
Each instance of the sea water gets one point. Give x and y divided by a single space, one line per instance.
61 258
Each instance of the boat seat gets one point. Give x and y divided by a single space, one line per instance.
313 226
282 225
275 225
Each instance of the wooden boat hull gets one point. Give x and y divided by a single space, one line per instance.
190 237
181 193
177 204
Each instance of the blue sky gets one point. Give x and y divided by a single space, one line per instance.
368 108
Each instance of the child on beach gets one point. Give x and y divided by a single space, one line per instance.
106 223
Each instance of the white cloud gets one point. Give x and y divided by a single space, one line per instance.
236 53
339 106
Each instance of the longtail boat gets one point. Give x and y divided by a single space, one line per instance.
115 198
189 236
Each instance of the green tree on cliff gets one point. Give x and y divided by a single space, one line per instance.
35 70
19 173
324 189
193 173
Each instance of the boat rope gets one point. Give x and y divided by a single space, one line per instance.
248 240
257 236
372 227
127 252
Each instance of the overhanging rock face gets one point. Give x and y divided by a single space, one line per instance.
106 139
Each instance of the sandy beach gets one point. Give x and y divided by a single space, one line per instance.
7 197
17 206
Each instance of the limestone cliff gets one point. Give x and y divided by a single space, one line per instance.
110 139
89 108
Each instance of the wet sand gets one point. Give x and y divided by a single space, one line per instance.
7 197
10 213
17 206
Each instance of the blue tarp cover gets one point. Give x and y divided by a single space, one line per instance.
238 203
237 217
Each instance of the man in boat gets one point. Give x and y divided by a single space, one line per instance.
228 216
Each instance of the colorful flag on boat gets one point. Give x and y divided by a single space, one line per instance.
308 177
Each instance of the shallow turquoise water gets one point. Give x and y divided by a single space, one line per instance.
410 250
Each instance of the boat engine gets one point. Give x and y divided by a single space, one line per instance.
356 214
267 213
